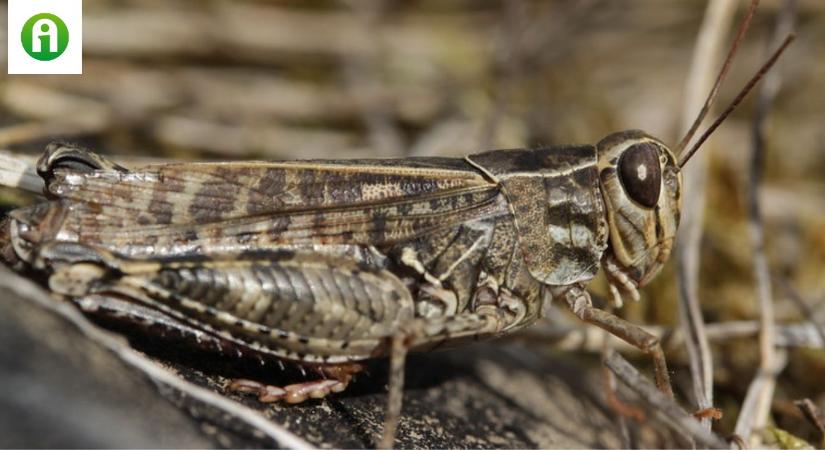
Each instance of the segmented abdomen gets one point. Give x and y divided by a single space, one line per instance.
308 306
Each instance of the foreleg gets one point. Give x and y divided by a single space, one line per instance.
579 302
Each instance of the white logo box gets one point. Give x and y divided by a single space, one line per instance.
70 61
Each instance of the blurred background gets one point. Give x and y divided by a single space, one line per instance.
258 79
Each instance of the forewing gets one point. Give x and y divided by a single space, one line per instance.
185 208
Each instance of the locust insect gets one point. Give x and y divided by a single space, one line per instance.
327 263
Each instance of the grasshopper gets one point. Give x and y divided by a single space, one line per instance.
327 263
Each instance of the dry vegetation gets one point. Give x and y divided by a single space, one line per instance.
294 79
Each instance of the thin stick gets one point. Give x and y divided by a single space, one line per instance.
590 339
804 308
756 407
18 172
814 416
714 92
709 44
622 411
661 405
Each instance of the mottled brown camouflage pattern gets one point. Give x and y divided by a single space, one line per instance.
228 208
323 261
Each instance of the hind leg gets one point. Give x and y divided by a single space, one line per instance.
336 379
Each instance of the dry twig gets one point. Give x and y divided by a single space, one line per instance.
588 339
16 171
814 416
661 405
756 407
804 308
718 17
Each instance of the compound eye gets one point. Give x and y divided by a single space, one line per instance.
640 173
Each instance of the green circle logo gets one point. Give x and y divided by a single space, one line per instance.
45 37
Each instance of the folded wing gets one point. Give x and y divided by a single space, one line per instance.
231 207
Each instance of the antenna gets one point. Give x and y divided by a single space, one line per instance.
736 101
740 35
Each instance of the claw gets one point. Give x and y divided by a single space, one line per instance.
616 296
